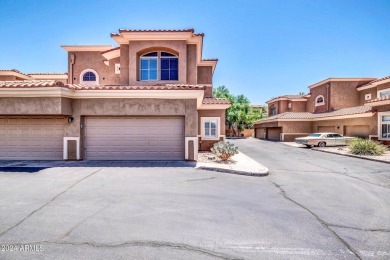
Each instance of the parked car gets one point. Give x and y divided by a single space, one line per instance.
323 139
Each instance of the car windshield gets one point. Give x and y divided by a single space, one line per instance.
315 135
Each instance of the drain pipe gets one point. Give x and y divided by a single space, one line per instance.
71 62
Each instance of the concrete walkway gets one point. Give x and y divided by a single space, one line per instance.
239 164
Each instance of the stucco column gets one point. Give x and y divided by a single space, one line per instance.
191 130
73 134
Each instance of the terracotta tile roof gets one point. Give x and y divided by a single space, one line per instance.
379 99
31 84
374 81
130 30
113 49
14 70
307 115
215 101
125 87
288 97
48 73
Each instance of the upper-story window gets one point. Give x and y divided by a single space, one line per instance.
159 66
89 77
383 93
273 111
320 100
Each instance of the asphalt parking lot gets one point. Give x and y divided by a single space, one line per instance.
310 207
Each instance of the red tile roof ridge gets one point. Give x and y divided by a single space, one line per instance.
129 87
374 81
14 70
48 73
215 100
31 84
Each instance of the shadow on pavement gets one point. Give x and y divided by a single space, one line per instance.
34 166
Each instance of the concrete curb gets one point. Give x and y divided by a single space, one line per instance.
230 171
351 155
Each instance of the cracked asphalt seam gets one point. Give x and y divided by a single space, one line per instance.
322 222
47 203
178 246
361 229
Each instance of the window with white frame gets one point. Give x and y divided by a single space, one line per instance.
384 125
320 100
383 93
210 127
159 66
89 77
367 96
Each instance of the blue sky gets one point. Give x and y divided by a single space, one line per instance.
265 48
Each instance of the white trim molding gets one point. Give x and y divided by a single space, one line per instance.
203 120
92 83
66 139
87 47
316 103
196 147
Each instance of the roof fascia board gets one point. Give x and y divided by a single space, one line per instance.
87 47
338 80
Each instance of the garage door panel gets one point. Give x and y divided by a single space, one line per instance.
325 129
134 138
38 138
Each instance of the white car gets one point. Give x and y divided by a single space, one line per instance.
323 139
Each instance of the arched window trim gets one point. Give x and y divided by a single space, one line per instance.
89 82
318 102
159 65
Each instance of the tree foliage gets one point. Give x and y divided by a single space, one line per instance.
240 115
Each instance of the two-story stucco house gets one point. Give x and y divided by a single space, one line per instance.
149 98
358 107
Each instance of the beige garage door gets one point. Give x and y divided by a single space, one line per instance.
31 138
357 131
274 133
326 129
260 133
124 138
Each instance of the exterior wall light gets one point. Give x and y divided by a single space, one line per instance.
70 119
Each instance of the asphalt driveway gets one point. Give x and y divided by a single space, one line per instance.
312 206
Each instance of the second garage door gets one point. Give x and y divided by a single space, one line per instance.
357 131
124 138
326 129
274 133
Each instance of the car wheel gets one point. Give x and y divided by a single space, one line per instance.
321 144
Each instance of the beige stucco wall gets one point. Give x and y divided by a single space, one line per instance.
35 106
191 64
94 60
298 106
7 78
362 93
205 75
315 92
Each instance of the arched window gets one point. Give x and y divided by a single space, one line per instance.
319 100
159 66
89 77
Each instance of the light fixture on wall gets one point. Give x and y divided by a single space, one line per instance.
104 78
70 119
338 127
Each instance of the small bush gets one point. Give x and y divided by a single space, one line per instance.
224 150
366 147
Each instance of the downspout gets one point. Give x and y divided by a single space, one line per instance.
328 94
72 59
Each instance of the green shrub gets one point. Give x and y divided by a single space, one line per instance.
366 147
224 150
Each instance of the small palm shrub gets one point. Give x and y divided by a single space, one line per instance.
366 147
224 150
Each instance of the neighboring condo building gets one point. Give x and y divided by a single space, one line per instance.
358 107
149 98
